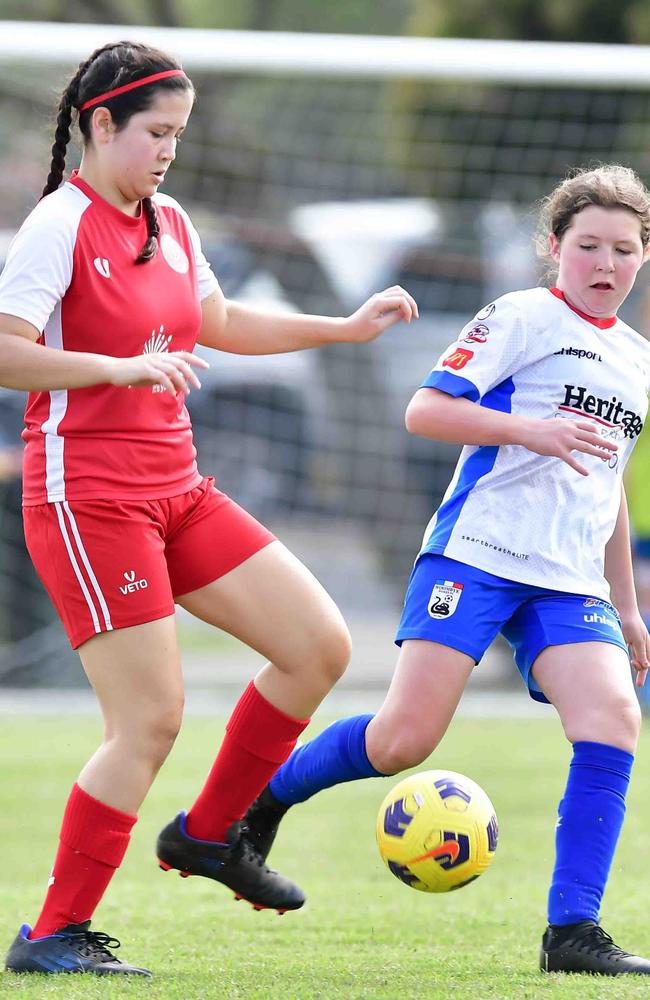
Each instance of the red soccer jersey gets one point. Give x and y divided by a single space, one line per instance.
71 272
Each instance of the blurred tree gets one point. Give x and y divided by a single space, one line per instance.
357 16
626 21
581 20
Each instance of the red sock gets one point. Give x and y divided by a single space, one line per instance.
259 737
93 840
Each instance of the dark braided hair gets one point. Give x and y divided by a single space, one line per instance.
109 67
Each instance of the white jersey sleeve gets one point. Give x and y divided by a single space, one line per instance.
488 350
206 277
38 269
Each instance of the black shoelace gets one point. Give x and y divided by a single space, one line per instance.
597 940
95 944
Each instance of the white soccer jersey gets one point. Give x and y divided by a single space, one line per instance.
507 510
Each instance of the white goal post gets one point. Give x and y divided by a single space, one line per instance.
369 56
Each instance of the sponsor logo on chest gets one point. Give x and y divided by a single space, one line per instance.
612 412
158 343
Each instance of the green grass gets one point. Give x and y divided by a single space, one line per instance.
362 934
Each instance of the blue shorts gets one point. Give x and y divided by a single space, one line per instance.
465 608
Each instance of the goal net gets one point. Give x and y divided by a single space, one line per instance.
319 170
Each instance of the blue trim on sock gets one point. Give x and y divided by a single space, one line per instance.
182 823
336 755
590 817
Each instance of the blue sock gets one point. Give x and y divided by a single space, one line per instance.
590 818
337 754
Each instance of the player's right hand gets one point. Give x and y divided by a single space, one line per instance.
562 437
173 372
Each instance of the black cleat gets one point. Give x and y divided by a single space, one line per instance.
262 821
72 949
585 947
236 863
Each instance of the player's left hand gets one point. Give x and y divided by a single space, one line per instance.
382 310
637 638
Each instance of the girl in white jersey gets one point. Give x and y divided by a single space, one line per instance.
547 389
103 297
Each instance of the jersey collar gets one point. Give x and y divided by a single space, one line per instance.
117 215
602 324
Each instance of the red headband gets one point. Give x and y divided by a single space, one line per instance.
130 86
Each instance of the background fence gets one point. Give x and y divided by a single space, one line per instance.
319 170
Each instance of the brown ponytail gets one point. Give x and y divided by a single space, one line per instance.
148 251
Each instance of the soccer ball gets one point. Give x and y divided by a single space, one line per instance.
437 830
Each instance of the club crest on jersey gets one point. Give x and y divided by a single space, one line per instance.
444 598
477 335
458 358
174 254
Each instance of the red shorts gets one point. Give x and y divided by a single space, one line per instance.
109 564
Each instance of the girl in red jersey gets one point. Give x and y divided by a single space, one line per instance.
103 297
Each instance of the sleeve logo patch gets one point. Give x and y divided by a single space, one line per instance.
478 334
486 311
458 358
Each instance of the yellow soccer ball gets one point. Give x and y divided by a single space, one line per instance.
437 830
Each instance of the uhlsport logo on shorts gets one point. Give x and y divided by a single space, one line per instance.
595 618
444 598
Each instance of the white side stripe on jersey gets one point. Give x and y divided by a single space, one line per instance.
77 569
54 443
93 579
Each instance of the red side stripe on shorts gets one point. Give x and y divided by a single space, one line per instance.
97 604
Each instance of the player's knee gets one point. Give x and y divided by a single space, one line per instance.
629 724
166 732
333 654
159 734
400 750
617 723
